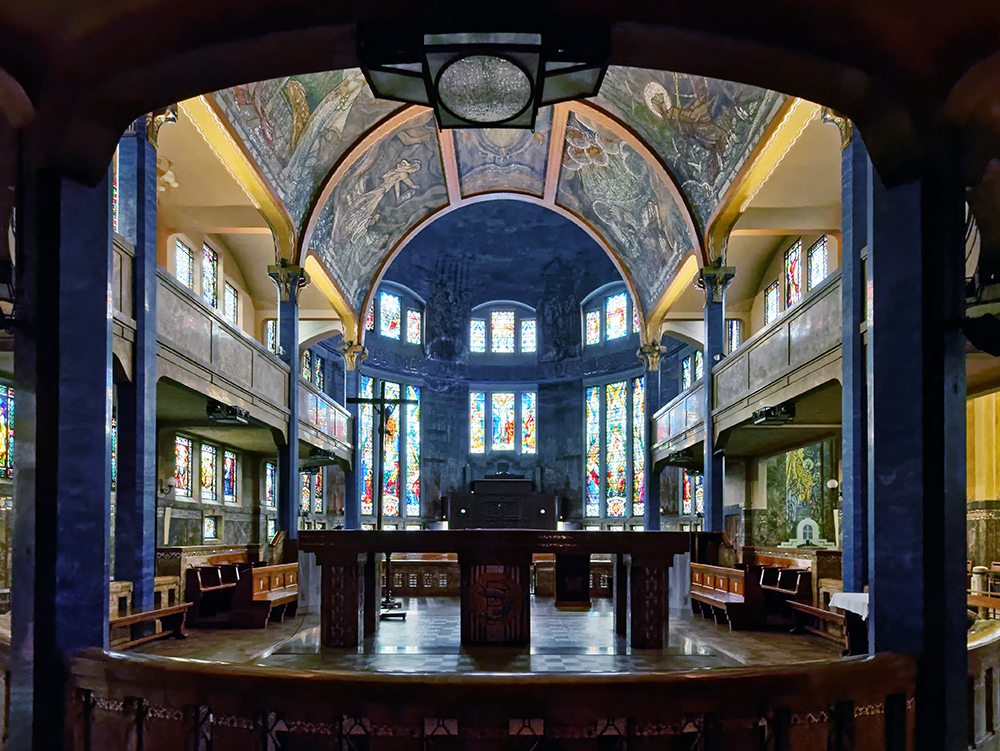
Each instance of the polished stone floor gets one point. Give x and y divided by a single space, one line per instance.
428 641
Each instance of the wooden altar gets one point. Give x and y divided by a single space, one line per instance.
495 564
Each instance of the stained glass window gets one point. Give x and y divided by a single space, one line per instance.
638 446
114 191
528 335
699 366
307 365
229 476
389 315
272 528
687 372
687 493
182 467
528 401
114 449
6 431
477 422
305 493
734 335
636 320
593 327
209 457
413 327
211 528
616 322
616 448
271 335
367 449
184 264
699 494
319 372
270 484
502 331
390 454
772 300
593 451
477 335
210 276
793 274
231 304
370 319
318 499
413 452
502 404
817 262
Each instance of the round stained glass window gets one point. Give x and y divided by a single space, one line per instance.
484 88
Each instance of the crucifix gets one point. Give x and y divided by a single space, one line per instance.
381 405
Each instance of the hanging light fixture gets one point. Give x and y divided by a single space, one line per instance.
484 80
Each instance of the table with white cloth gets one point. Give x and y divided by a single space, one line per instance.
855 607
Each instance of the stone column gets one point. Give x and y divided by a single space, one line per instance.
916 457
856 192
289 280
62 422
135 518
354 355
650 355
713 280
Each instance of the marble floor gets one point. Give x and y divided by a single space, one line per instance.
428 641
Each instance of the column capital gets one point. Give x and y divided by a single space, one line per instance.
157 119
354 354
832 117
650 354
714 279
288 278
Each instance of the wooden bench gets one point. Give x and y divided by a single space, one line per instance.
170 618
727 594
207 592
781 586
265 593
818 621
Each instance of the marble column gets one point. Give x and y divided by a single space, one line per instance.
289 280
713 280
856 195
135 518
62 481
650 355
354 355
916 456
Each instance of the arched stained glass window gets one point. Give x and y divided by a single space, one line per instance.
367 442
615 320
390 454
593 327
389 315
793 274
615 441
502 406
528 399
184 264
182 467
270 486
772 302
817 262
477 422
413 452
230 481
502 331
210 276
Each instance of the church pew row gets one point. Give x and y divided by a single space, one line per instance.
864 703
241 594
728 595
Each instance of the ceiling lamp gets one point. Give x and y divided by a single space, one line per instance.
484 80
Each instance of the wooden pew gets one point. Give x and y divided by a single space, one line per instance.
207 592
818 621
265 593
171 619
782 586
727 593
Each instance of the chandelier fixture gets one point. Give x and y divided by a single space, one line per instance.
484 80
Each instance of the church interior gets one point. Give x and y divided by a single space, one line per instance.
391 378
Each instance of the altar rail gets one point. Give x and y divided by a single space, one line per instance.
120 702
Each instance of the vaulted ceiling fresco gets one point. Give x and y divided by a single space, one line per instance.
358 183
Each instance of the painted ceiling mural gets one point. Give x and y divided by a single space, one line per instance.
609 184
296 128
504 159
392 186
703 128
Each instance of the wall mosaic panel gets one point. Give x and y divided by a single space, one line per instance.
504 159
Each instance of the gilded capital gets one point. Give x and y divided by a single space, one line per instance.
830 117
354 354
288 278
157 119
650 354
714 279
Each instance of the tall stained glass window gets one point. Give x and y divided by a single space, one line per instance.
114 450
502 405
210 276
638 446
114 191
615 316
687 372
502 331
319 372
370 319
772 301
182 467
593 327
616 448
271 335
477 422
272 528
307 365
528 335
734 335
477 335
528 402
230 468
184 264
793 273
593 500
636 320
817 262
389 315
231 304
367 449
687 493
699 365
209 473
413 327
413 452
699 494
390 454
270 485
6 431
318 498
305 492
